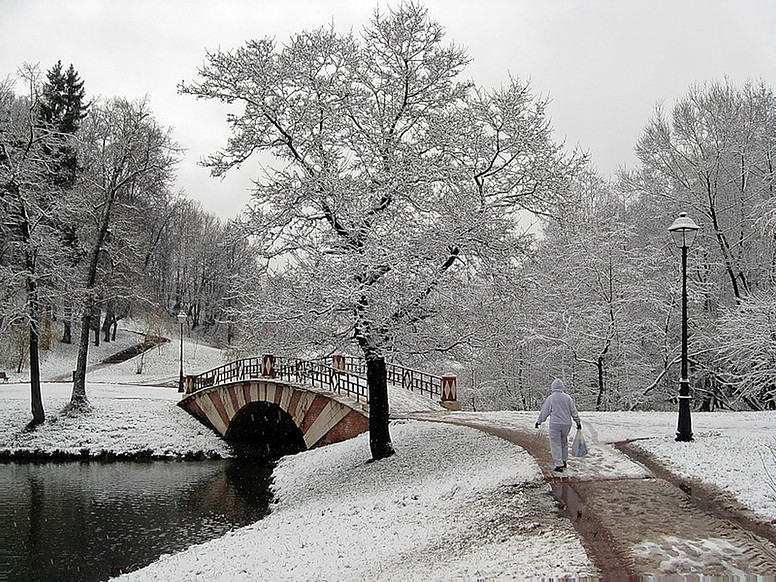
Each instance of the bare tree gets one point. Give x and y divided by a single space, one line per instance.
127 158
713 156
29 198
391 179
746 349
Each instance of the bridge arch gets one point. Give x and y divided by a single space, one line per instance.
266 429
321 418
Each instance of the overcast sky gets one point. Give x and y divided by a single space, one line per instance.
604 64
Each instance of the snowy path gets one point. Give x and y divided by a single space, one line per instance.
636 522
118 357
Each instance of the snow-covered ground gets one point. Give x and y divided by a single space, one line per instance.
453 503
158 366
734 452
133 403
124 420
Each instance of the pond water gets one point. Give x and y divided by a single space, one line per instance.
88 521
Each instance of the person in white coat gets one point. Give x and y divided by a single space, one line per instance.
560 409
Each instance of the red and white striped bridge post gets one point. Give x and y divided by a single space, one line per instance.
268 366
450 392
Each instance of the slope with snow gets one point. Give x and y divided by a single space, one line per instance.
453 503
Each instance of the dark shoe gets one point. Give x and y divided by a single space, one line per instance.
559 469
564 464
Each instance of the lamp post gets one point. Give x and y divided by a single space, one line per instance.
181 320
683 231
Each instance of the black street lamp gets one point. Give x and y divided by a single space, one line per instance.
683 231
181 320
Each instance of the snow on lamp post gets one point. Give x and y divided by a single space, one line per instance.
683 231
181 320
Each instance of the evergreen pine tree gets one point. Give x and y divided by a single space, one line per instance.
62 107
60 111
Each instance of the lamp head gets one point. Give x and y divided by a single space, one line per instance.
182 317
683 230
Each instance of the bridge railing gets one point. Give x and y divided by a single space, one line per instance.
244 369
314 372
323 376
409 379
346 375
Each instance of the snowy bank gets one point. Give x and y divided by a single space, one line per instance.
453 503
123 421
159 365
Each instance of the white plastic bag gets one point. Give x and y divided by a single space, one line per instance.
579 447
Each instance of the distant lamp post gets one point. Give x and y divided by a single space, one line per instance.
683 231
181 320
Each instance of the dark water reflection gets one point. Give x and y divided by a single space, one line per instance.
89 521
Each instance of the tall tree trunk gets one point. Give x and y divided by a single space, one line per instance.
67 327
600 403
106 325
45 320
78 396
96 318
36 399
377 381
735 273
196 310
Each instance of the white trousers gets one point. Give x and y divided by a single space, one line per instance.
559 443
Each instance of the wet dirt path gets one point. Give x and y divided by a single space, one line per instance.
648 527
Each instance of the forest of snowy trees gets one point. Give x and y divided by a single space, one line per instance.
402 213
93 230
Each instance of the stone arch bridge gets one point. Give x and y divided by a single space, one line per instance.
282 405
